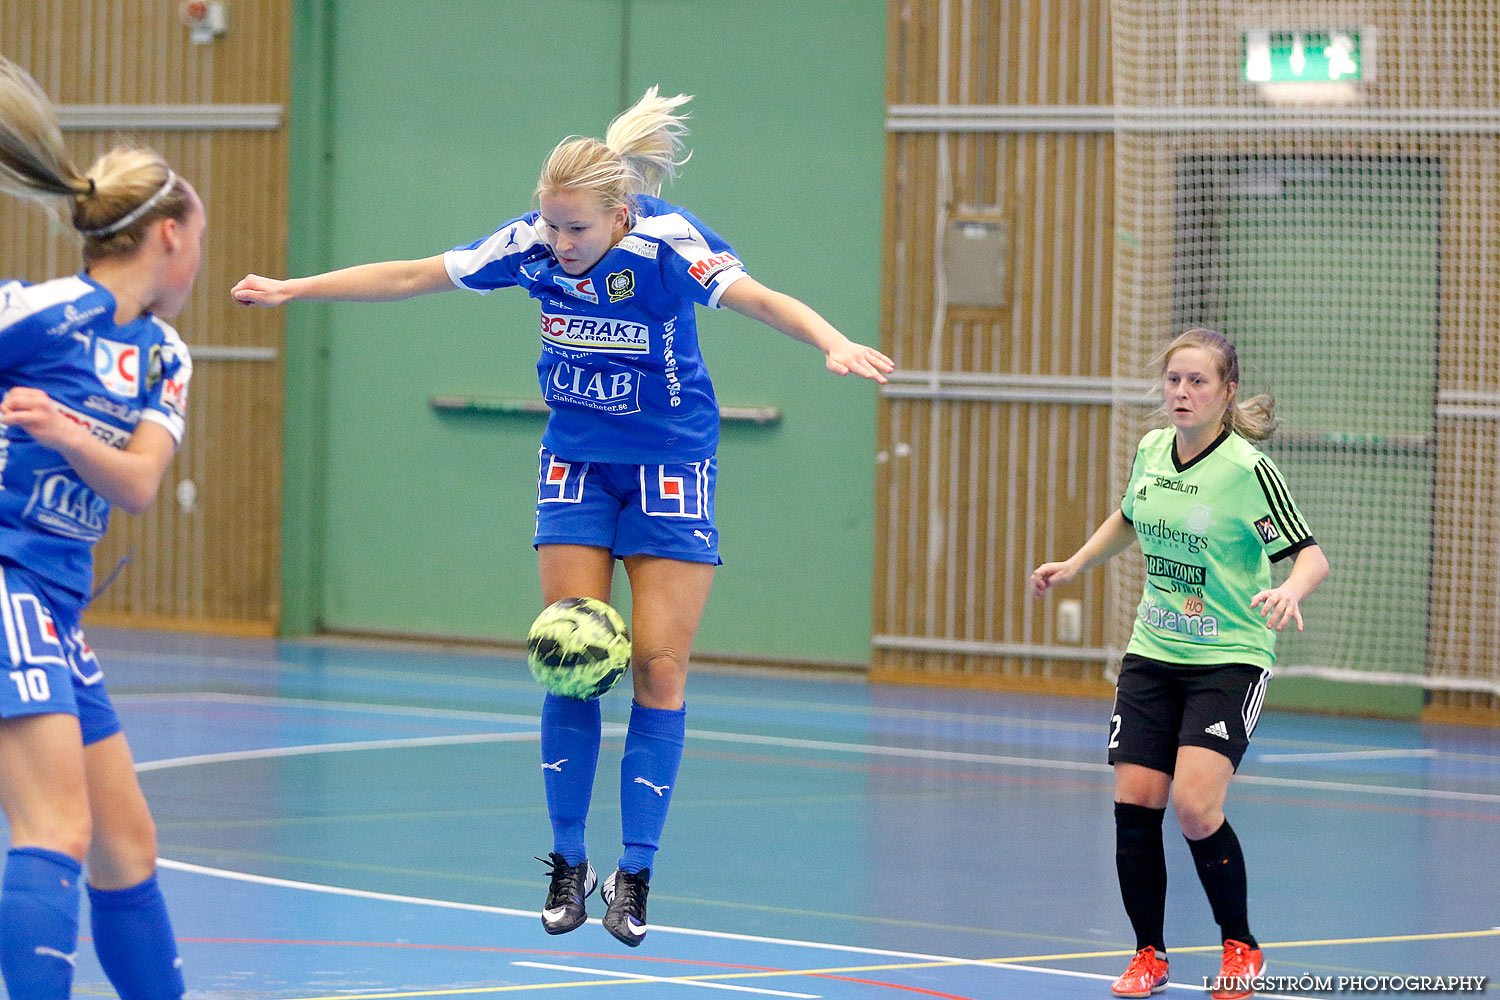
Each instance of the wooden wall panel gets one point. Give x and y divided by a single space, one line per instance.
214 563
975 486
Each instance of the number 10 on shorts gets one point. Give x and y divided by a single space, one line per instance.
31 685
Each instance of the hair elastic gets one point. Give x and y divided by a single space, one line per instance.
135 213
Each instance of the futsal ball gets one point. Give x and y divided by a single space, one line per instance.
578 648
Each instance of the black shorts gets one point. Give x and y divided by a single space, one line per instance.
1162 706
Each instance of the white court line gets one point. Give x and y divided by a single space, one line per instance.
314 748
862 749
334 890
666 979
1282 758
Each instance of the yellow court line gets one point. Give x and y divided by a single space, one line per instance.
842 970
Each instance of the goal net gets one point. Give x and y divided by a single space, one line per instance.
1321 182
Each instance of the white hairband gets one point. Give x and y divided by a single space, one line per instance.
135 213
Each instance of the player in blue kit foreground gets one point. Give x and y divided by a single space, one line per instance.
627 465
95 390
1211 514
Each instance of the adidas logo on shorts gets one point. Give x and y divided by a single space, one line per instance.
1218 729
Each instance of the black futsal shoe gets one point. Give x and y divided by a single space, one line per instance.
625 895
570 886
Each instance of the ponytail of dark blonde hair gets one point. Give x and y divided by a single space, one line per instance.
1255 418
34 163
637 155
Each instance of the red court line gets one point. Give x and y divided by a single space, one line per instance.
610 956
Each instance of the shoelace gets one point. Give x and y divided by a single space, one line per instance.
566 881
1141 964
630 892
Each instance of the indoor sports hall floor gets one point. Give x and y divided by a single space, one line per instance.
344 820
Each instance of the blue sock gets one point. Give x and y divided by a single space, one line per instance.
134 942
39 923
570 755
653 750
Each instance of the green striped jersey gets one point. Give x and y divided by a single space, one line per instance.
1209 531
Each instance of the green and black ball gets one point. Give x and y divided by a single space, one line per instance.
578 648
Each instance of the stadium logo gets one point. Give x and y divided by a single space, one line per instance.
1175 484
118 367
579 288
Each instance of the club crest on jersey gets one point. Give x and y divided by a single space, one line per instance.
118 367
621 285
579 288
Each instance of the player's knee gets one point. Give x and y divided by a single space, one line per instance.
1197 819
64 832
660 675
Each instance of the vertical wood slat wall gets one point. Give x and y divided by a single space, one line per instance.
216 563
974 492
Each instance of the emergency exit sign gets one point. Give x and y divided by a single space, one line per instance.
1301 56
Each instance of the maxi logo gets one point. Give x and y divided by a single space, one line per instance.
64 506
596 333
709 268
611 389
118 366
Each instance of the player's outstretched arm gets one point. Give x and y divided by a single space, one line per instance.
800 321
1282 605
1108 540
387 281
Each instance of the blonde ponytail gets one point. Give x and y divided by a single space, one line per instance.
113 203
638 154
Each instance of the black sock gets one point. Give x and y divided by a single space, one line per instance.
1141 862
1221 868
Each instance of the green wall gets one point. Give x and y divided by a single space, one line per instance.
412 134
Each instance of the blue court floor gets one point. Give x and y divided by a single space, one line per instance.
346 820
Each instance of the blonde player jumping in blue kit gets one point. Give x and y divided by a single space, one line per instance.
1211 514
95 392
627 466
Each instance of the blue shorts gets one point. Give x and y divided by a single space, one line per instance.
50 667
632 510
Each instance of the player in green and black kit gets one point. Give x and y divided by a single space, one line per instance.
1211 514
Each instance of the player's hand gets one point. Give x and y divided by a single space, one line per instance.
253 290
857 359
1048 575
37 414
1278 607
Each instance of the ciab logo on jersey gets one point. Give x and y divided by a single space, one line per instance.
118 367
64 506
611 389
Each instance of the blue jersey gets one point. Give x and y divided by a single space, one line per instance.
620 366
60 337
